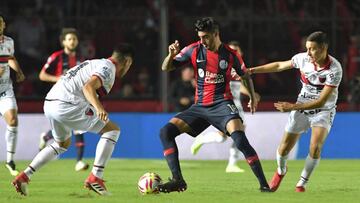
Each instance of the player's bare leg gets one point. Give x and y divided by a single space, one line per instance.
11 133
287 143
318 138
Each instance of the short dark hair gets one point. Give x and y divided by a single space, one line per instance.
318 37
207 24
124 49
65 31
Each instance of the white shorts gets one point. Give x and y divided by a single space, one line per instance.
7 101
65 117
301 121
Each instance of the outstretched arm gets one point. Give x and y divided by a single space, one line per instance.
272 67
249 85
317 103
46 77
174 49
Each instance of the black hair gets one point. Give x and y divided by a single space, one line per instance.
66 31
318 37
124 49
207 24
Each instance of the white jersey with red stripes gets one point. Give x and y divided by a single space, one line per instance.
314 79
69 87
6 52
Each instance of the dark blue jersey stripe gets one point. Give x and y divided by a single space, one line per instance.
201 72
223 66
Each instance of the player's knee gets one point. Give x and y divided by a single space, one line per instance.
111 135
315 150
169 132
13 121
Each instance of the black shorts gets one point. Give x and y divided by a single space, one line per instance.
201 117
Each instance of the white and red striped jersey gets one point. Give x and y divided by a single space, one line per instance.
314 78
69 87
6 52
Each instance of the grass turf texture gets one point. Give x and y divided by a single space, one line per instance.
333 181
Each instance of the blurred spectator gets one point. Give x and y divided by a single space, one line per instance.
352 74
29 30
143 87
127 91
182 90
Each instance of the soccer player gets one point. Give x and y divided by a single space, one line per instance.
212 61
315 106
216 136
8 106
73 103
57 64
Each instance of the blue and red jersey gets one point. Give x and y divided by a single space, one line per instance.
213 71
59 62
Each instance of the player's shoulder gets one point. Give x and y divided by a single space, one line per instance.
57 53
335 64
8 39
192 46
301 56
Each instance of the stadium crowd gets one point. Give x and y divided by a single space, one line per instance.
35 26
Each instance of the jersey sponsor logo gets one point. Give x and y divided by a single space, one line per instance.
214 78
201 73
200 60
105 71
223 64
308 96
72 72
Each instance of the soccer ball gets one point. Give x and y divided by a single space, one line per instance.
148 183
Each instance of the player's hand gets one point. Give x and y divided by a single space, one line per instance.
174 48
2 70
20 77
252 106
102 114
284 106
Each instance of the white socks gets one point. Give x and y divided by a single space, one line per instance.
281 162
11 138
309 167
211 137
104 150
233 154
43 157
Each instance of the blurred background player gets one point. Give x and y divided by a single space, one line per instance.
73 103
182 90
213 62
216 136
58 64
8 106
315 107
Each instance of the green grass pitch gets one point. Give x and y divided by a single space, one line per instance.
333 181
